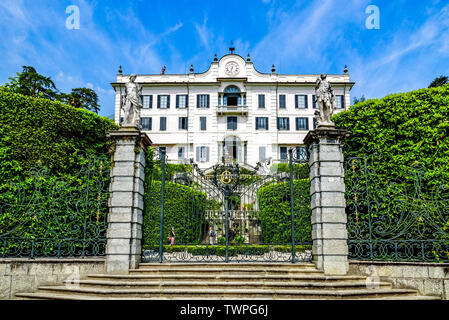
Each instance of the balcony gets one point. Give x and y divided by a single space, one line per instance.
239 110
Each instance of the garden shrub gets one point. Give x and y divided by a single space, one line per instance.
184 209
300 170
54 176
275 212
401 130
405 139
37 130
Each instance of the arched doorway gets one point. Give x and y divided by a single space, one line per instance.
232 149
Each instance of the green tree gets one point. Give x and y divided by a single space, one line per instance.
358 100
438 82
84 98
30 83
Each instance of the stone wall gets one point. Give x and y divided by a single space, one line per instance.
428 278
26 275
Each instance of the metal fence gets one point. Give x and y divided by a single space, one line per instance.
258 214
398 219
56 215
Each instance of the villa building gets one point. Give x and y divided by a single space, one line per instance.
231 112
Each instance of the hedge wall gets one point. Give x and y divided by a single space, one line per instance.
275 213
54 175
184 209
401 130
401 136
36 130
300 170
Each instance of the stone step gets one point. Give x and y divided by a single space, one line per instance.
234 271
222 281
109 284
224 277
59 296
407 297
101 293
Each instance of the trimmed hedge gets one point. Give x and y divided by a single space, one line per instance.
184 209
37 130
401 130
300 170
400 135
65 195
275 212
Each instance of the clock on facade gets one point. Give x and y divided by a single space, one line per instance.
232 68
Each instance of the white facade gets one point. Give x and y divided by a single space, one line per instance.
231 87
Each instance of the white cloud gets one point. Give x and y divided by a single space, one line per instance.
173 29
321 37
204 33
409 61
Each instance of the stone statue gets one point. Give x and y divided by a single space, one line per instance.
325 98
131 103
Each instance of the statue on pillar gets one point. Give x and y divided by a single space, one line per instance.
131 103
325 99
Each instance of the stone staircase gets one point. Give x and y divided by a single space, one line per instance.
223 281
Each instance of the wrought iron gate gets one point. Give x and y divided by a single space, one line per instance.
256 214
401 219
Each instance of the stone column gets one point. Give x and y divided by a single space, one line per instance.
124 234
327 190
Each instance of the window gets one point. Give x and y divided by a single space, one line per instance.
163 124
301 101
147 102
302 123
261 101
163 149
203 123
163 101
301 153
145 123
182 101
202 101
283 123
283 153
183 123
262 154
261 123
339 102
232 123
181 153
282 101
202 154
314 105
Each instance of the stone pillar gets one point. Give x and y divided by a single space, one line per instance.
124 234
327 190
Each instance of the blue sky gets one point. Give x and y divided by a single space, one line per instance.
409 50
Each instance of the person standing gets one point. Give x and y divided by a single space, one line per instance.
211 236
172 236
